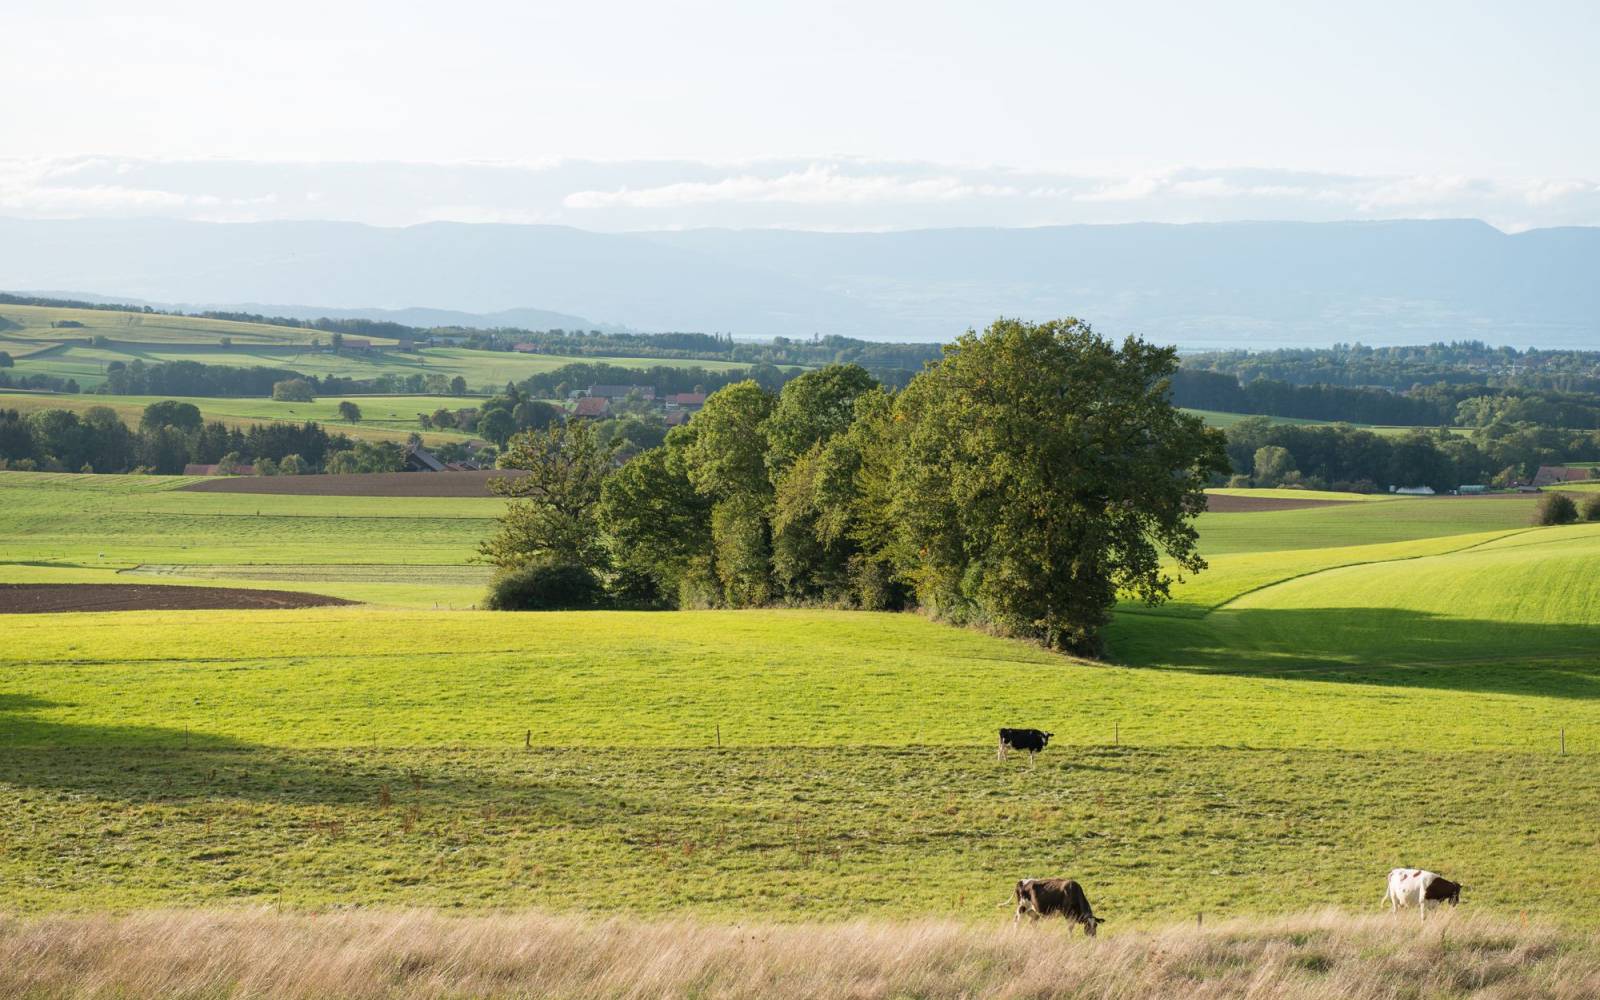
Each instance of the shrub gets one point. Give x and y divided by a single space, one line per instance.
293 390
545 587
1555 508
1591 507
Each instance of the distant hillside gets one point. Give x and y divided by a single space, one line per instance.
416 316
1205 285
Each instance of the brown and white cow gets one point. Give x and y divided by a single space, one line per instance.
1413 885
1045 897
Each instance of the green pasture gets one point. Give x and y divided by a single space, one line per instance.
1224 420
383 418
1347 689
1377 521
481 369
35 323
785 833
88 529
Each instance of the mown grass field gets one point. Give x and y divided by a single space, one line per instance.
1348 689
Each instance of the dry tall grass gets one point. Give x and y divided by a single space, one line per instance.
362 954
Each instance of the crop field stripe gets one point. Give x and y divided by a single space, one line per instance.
1364 562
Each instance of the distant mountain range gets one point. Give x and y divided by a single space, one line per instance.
1205 285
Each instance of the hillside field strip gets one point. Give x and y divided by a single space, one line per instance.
59 324
1347 689
1224 420
383 418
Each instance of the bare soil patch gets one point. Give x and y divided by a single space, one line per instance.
47 598
374 484
1223 503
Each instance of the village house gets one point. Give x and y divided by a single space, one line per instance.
593 407
1552 475
686 400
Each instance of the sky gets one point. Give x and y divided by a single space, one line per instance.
870 115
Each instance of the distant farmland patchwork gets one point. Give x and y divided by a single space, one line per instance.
1349 687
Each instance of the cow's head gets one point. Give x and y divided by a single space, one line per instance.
1047 737
1455 895
1092 924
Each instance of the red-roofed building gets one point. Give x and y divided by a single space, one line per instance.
592 406
686 400
1551 475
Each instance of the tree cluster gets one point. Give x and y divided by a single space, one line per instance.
1343 457
170 435
192 378
1463 363
1023 482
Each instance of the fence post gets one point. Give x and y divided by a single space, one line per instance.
527 741
719 736
1116 733
1563 741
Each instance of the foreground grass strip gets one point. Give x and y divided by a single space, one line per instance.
258 953
787 833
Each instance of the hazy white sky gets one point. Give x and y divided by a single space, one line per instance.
1438 94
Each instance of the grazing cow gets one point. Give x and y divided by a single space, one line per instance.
1413 885
1045 897
1029 740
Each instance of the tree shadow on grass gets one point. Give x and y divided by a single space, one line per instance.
146 764
1379 646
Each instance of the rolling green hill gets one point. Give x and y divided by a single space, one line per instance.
1392 694
383 418
54 325
481 369
1217 418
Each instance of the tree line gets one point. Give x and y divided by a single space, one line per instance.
194 378
1437 405
171 435
1346 458
1465 363
1021 483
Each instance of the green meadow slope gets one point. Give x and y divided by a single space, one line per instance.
49 325
383 418
1372 684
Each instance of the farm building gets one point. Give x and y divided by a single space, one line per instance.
592 406
1551 475
420 459
1412 491
686 400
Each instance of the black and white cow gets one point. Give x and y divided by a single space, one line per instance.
1413 885
1030 741
1045 897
